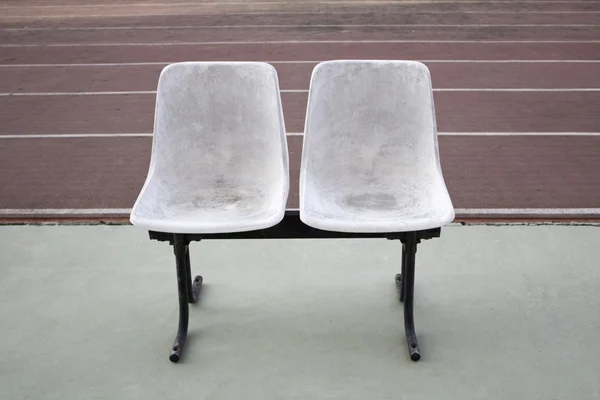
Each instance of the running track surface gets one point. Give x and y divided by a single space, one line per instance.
517 93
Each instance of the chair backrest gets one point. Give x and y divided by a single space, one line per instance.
368 121
219 123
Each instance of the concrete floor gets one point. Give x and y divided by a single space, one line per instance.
90 312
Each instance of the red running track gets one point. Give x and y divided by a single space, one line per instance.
517 92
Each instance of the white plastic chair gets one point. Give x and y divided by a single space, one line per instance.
219 162
219 156
370 159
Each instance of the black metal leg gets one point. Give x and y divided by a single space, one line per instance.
187 290
407 282
193 287
398 278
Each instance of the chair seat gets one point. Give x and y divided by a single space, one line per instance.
370 210
222 210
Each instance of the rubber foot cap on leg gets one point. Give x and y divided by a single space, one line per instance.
174 357
415 356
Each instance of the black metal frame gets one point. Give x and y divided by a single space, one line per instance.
291 227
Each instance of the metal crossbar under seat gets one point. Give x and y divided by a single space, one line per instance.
291 227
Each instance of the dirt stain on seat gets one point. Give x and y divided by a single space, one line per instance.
218 198
371 201
224 198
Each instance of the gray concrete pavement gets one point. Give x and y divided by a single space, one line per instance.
90 312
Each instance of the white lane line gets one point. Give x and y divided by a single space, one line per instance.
507 61
185 4
312 42
133 92
37 18
269 13
223 3
330 12
139 64
290 134
517 90
519 133
459 211
212 27
153 92
23 94
63 211
76 135
527 211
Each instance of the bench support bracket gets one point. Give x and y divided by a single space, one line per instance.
187 289
291 227
405 286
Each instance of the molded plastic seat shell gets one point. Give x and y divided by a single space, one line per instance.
219 159
370 160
